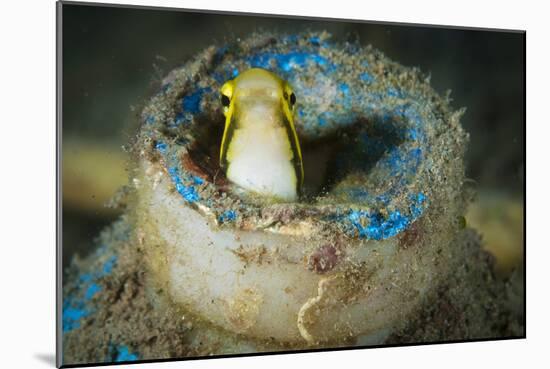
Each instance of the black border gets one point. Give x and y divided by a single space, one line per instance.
59 223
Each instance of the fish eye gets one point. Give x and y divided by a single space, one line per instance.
225 100
292 99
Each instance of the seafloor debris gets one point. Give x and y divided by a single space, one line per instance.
372 254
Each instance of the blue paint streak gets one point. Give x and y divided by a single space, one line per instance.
412 134
373 225
72 315
123 354
366 77
346 101
288 62
189 193
225 75
417 206
109 265
344 88
150 119
161 146
191 103
402 163
227 216
198 180
91 291
315 40
86 277
77 305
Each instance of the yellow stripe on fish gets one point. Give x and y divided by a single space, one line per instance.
260 150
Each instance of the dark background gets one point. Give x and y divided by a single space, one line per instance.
113 59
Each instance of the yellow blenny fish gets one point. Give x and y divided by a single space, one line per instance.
260 151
